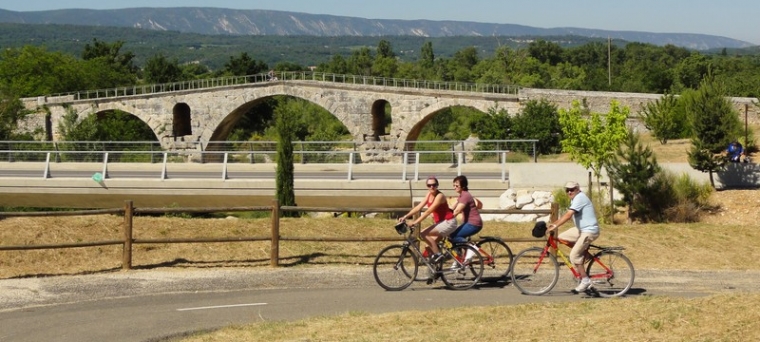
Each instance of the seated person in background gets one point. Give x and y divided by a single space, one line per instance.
735 152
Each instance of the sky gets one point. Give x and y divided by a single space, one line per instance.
735 19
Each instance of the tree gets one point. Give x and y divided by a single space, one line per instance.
427 57
545 52
33 71
109 126
360 62
715 125
494 125
111 54
666 118
384 49
11 112
592 142
160 69
539 120
285 171
631 173
244 65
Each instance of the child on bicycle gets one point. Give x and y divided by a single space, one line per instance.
586 230
444 222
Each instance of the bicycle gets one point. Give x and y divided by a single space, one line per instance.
497 257
535 271
396 266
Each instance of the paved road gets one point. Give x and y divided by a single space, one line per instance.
146 305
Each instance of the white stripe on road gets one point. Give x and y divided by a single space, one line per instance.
221 306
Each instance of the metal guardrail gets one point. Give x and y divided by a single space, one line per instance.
229 81
164 159
42 157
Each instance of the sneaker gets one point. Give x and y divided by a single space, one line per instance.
582 287
436 258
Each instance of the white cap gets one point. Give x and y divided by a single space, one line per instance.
571 185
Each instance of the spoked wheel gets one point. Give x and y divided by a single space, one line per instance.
534 273
612 274
462 267
497 259
395 268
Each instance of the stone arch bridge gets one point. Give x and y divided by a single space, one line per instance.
189 115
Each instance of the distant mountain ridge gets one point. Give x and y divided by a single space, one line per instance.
211 21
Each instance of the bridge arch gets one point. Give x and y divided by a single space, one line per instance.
427 114
381 110
181 120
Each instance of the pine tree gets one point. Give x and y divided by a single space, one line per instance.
631 174
715 125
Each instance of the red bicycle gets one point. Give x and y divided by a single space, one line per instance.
535 271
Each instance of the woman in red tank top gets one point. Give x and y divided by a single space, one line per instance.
444 222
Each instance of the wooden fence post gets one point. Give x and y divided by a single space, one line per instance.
126 259
554 216
275 250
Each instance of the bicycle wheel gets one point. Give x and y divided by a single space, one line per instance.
395 268
462 267
497 259
611 273
533 272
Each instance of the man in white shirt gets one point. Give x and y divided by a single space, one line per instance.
586 230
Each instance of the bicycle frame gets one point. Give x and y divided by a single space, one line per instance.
404 259
553 242
535 270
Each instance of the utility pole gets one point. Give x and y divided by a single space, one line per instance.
609 61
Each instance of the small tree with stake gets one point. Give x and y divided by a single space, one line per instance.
715 125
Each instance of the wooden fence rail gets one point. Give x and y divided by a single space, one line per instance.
129 211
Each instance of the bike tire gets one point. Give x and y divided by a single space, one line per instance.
611 273
533 272
497 259
395 267
458 273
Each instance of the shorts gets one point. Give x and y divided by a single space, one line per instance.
581 239
446 227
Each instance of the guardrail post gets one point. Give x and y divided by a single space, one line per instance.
224 166
462 160
275 250
503 156
105 165
126 255
417 166
46 173
351 166
405 163
459 162
163 170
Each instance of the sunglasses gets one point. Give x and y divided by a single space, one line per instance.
569 190
457 186
431 185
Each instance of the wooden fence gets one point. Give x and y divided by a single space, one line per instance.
128 211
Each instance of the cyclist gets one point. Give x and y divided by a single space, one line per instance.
471 223
586 230
444 222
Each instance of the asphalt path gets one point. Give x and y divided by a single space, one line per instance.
145 305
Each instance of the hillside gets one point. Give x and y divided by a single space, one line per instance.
218 21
